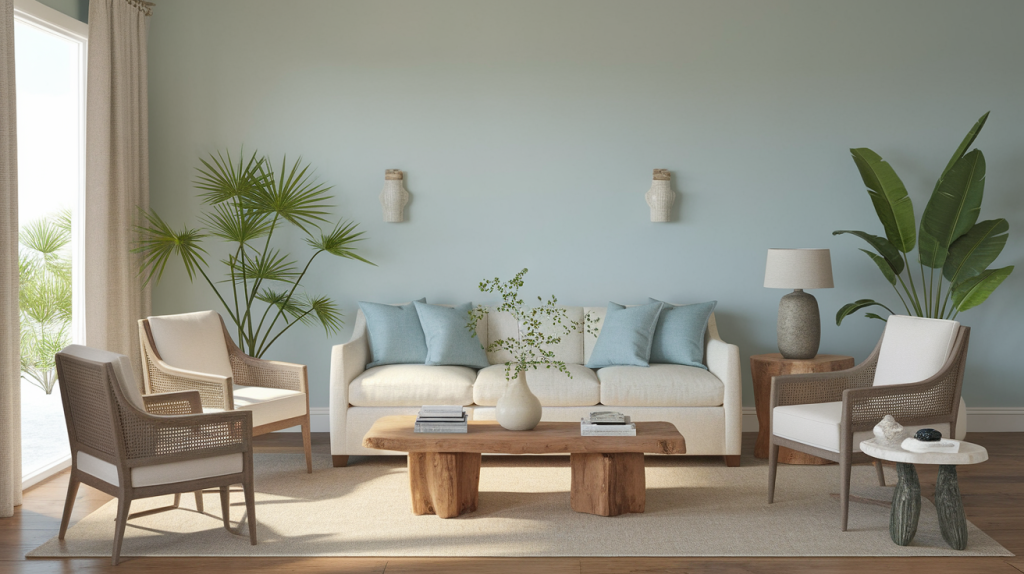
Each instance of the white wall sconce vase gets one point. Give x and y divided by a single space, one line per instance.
394 197
661 197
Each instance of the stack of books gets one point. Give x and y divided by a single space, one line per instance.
441 419
607 423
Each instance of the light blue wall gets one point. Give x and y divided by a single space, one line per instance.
78 9
528 132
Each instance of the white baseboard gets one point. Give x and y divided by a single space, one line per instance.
46 472
979 419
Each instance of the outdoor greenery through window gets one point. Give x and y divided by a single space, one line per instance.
49 67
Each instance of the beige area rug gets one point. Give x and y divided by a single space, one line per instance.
695 507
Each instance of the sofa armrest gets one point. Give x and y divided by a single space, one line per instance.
723 361
348 361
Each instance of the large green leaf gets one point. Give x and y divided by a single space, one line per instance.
889 196
975 290
857 306
966 143
975 250
882 245
953 208
883 266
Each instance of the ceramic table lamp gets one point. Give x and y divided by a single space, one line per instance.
799 330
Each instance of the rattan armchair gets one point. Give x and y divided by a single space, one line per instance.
193 351
858 401
132 447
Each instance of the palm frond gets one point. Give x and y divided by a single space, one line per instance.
274 266
339 241
293 194
236 224
280 300
157 242
223 179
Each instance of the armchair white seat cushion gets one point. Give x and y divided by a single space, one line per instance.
552 387
166 473
819 424
660 385
913 349
268 404
412 386
192 341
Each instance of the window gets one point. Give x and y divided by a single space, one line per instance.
50 55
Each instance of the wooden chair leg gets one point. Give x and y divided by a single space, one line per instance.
199 500
69 505
845 467
225 506
773 464
177 500
307 445
880 471
123 505
250 510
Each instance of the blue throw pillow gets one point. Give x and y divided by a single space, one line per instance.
626 336
448 340
679 338
395 333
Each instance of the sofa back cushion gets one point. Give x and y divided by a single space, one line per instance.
913 349
569 350
396 336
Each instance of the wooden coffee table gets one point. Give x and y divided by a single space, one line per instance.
444 469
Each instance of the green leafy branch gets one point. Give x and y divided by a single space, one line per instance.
529 346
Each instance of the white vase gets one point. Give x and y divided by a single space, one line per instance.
661 197
518 409
394 197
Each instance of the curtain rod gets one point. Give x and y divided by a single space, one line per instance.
145 7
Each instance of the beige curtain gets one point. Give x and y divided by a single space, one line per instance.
117 176
10 352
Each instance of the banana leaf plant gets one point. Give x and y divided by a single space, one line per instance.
261 285
954 249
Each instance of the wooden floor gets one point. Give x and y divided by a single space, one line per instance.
993 495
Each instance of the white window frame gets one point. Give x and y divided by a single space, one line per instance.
35 14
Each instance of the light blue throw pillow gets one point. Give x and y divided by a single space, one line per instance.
679 338
448 340
626 336
395 333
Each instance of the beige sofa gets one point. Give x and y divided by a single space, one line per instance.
704 405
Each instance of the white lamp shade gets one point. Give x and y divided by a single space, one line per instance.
798 269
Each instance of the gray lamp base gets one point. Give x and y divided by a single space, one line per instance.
799 330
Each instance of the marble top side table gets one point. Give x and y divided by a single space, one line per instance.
906 499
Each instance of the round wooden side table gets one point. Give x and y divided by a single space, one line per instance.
762 369
906 499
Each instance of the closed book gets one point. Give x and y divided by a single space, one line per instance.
607 417
587 432
441 429
426 419
442 410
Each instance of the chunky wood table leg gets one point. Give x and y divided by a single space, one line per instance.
608 484
906 505
952 521
444 483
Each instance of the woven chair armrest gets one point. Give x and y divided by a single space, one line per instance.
809 388
173 403
155 439
253 372
929 400
214 390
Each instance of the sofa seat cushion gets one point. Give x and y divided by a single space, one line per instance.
269 405
553 388
166 473
660 385
818 425
412 386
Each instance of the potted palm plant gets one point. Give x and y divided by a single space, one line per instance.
249 200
